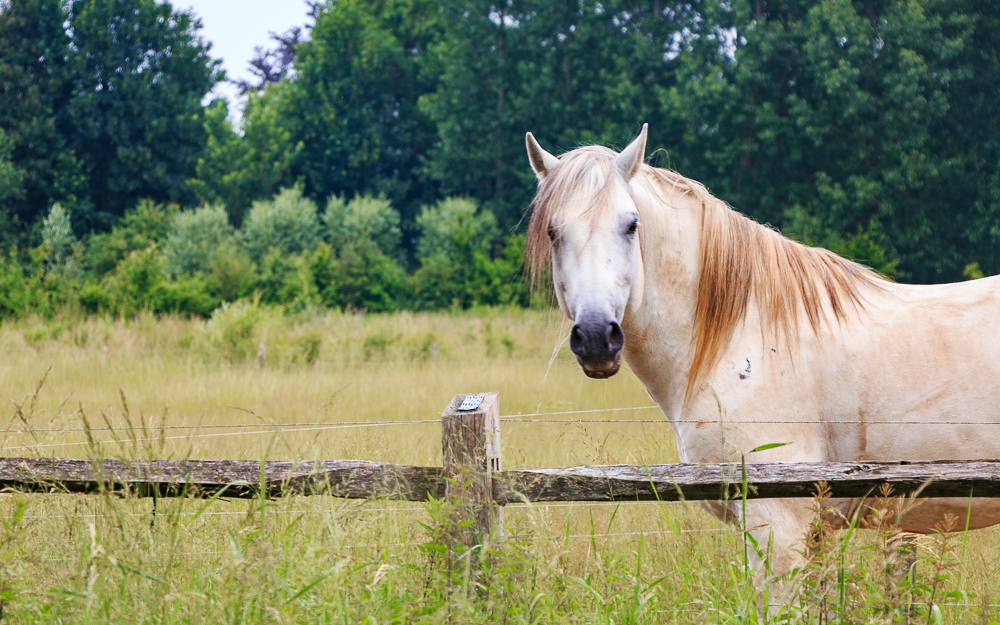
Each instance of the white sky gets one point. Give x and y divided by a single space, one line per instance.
235 26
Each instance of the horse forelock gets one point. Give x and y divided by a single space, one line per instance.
740 261
584 174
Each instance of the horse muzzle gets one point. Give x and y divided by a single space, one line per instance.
598 346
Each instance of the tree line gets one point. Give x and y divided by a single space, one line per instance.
866 126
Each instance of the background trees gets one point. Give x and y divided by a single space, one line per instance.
867 127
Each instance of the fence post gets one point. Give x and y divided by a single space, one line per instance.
471 445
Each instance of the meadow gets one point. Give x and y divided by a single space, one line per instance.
166 387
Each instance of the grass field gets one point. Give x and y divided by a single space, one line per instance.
77 559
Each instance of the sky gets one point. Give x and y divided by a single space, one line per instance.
235 26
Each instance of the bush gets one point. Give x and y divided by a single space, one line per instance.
128 289
195 240
232 274
21 290
234 330
455 251
57 235
364 218
188 296
361 278
288 223
147 224
139 283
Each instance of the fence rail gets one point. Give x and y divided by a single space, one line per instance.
357 479
472 475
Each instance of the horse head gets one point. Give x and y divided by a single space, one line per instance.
587 219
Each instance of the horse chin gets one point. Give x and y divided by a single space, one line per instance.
604 370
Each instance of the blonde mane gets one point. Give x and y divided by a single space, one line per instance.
741 261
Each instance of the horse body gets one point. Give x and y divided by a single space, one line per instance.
744 338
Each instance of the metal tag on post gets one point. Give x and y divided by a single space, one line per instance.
471 402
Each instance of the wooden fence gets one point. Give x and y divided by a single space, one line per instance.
472 476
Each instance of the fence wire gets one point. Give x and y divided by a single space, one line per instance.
531 417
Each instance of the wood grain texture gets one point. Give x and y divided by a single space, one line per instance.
675 482
352 479
471 452
361 480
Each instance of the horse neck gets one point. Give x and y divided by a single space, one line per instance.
658 332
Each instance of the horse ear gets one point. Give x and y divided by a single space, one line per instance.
541 161
631 157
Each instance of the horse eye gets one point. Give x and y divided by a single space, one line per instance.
552 234
633 227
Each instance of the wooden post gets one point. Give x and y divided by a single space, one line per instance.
471 445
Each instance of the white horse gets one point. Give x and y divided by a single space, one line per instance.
744 338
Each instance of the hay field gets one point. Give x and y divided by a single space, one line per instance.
67 558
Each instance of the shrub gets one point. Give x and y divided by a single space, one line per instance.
361 278
288 223
234 330
139 283
147 224
188 296
195 240
454 229
232 274
455 249
364 218
57 235
126 290
21 291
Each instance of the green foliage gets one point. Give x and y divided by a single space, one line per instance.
866 128
360 277
11 177
139 283
238 168
287 224
364 218
136 115
196 238
57 235
21 292
353 103
147 224
453 229
849 113
234 329
36 71
103 103
232 273
456 254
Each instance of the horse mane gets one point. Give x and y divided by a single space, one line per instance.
741 262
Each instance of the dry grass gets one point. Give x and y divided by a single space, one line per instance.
75 559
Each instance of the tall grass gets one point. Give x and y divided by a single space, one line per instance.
103 558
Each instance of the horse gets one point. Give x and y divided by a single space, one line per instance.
745 338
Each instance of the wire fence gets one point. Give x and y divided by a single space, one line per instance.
515 418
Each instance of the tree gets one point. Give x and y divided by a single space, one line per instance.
35 89
57 235
11 191
237 169
287 224
364 218
455 250
568 71
196 239
148 224
140 72
834 120
353 101
11 176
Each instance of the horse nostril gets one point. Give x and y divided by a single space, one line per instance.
576 342
615 337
